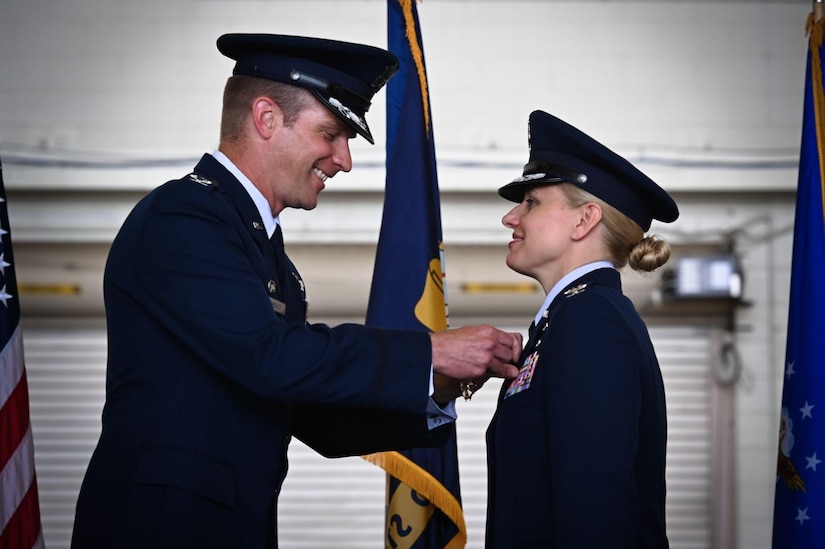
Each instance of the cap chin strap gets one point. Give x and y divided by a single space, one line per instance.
344 95
546 168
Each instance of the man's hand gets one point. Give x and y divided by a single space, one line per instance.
475 352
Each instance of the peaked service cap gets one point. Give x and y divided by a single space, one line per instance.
342 75
561 153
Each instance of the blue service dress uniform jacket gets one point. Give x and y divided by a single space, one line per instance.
576 447
206 382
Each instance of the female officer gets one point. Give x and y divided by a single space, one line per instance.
576 448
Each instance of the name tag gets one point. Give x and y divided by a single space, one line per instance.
278 306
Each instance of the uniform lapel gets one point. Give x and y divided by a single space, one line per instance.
289 280
604 277
285 286
227 184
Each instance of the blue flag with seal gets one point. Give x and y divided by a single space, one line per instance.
423 493
799 505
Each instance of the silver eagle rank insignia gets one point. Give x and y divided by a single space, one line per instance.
575 290
200 179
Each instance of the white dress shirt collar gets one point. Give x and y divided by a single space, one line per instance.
258 198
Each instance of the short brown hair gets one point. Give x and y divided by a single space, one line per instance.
239 93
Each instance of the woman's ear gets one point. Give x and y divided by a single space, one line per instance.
591 214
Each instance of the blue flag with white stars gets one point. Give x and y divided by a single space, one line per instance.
799 510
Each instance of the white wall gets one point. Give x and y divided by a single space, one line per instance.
705 96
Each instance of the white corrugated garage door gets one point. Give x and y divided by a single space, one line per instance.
340 503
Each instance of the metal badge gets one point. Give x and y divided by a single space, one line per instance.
576 290
201 180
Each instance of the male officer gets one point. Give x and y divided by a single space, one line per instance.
212 365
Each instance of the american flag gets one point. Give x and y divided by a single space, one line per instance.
19 506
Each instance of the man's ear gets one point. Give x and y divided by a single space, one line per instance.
590 215
266 116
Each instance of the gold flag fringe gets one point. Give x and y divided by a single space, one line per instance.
418 58
815 30
420 480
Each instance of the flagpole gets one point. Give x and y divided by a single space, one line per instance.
819 10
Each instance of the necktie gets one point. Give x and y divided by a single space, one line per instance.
290 285
534 335
277 238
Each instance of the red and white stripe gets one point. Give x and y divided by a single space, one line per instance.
19 506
